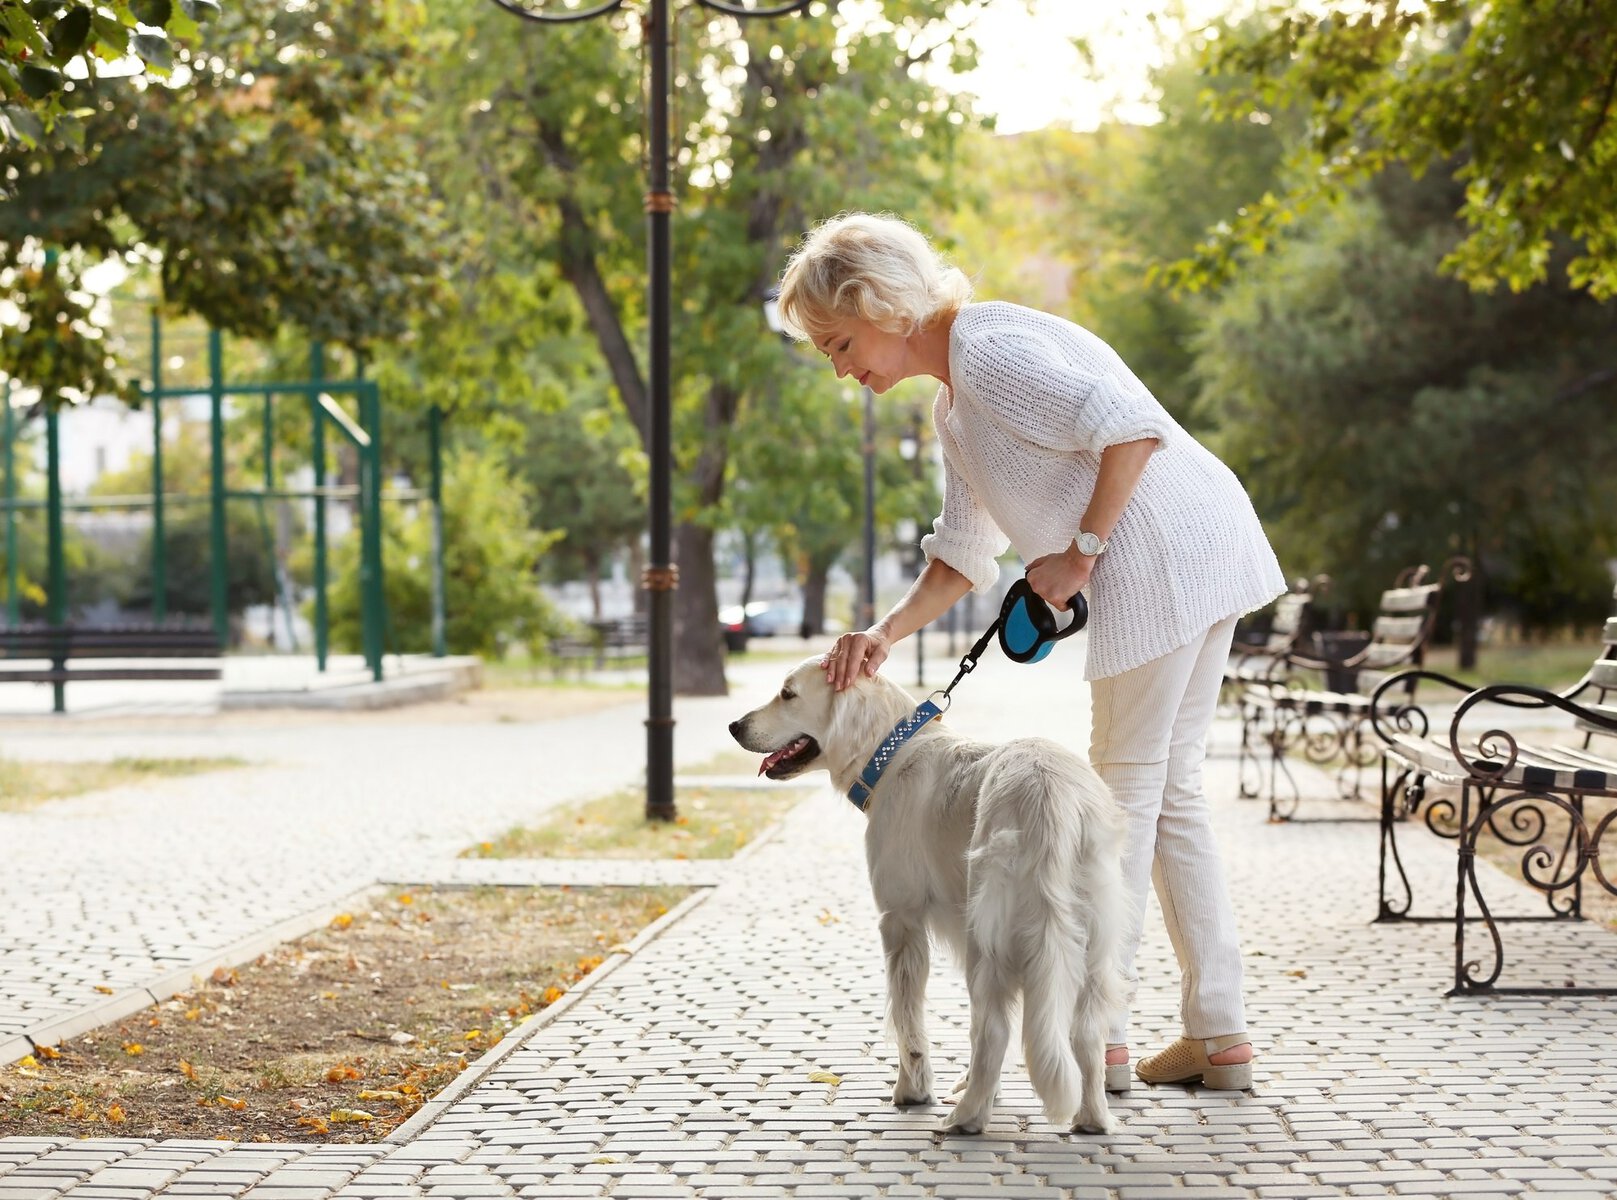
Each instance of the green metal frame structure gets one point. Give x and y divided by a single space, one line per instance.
363 434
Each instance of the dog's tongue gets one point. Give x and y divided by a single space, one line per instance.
783 752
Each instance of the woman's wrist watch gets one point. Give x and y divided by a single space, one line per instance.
1089 545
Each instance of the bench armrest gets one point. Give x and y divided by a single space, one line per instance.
1499 745
1389 715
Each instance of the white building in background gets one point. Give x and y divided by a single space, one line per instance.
107 435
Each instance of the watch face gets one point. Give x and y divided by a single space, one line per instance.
1088 543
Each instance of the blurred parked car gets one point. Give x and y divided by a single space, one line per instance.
761 618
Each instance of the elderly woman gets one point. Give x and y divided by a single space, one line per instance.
1051 444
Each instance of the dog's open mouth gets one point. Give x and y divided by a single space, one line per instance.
790 758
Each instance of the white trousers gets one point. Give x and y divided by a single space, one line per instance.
1149 739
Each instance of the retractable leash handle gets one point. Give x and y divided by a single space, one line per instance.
1027 630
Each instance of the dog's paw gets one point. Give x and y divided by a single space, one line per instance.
959 1088
1094 1123
961 1124
910 1097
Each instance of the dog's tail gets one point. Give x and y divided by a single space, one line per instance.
1029 902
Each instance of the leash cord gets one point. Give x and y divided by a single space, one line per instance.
968 664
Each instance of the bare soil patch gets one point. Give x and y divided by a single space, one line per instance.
335 1037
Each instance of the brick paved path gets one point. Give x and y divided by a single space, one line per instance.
687 1070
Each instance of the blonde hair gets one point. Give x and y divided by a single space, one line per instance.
873 267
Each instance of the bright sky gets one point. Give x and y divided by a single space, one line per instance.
1032 76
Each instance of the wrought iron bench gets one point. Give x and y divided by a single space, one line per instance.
1264 662
1532 795
1319 705
612 638
38 653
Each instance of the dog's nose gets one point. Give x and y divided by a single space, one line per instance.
736 727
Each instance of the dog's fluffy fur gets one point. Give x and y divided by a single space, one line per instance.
1009 855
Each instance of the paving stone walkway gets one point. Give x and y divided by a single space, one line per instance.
739 1052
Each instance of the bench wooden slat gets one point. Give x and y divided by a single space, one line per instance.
1406 600
1397 629
1605 710
1604 673
1609 637
103 674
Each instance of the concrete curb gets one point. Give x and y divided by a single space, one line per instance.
474 1074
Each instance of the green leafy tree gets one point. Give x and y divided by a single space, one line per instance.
1514 99
774 131
274 176
41 40
1383 415
492 555
579 462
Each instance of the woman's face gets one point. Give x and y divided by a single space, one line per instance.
871 356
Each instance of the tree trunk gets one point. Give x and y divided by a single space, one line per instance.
814 585
698 642
749 570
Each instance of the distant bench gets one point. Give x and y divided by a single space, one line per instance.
39 653
614 638
1286 709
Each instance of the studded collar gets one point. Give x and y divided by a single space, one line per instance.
924 713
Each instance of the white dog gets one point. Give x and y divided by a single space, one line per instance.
1009 855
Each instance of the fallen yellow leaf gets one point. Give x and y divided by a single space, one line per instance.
232 1103
553 994
395 1097
115 1114
342 920
473 1034
187 1070
825 1077
134 1049
28 1061
348 1116
192 1014
103 989
48 1052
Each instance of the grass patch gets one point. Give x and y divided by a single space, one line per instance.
712 823
338 1036
23 785
1552 665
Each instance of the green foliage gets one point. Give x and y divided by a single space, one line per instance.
491 558
1382 415
41 40
187 541
577 462
54 344
274 175
1512 98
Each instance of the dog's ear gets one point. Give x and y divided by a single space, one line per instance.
864 713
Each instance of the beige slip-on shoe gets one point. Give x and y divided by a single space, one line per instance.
1187 1061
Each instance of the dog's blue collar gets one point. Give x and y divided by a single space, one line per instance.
859 793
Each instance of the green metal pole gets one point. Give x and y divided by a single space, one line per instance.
159 535
56 611
13 609
317 372
435 429
370 415
220 564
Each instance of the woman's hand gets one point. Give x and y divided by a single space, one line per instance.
1057 578
855 654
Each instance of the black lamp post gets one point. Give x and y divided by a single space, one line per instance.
661 576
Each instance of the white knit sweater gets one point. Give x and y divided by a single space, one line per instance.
1034 401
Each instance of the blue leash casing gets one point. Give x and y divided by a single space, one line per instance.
1027 627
